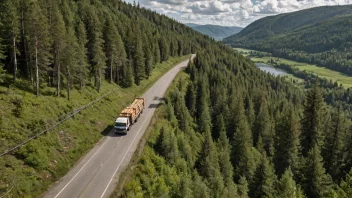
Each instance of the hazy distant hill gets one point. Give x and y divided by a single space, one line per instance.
320 36
215 31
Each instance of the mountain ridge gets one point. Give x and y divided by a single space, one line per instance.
215 31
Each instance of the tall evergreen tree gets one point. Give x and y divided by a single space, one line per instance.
82 59
39 41
311 122
262 128
334 144
263 182
226 167
287 143
345 188
58 32
287 186
316 182
139 61
10 19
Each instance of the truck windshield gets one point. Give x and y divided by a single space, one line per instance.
120 124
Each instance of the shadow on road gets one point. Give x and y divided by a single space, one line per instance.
109 131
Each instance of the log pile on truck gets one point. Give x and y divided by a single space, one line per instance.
129 116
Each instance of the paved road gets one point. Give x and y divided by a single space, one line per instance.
97 173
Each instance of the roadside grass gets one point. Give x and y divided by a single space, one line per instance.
31 169
143 149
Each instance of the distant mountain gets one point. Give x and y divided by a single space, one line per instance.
215 31
321 35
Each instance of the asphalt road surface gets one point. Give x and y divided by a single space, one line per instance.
96 174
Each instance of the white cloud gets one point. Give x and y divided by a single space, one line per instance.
230 12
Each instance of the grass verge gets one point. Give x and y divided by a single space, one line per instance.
30 170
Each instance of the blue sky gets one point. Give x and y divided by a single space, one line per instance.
230 12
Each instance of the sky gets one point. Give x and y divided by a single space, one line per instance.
230 12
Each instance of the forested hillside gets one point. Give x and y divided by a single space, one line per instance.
321 36
57 56
66 43
230 130
215 31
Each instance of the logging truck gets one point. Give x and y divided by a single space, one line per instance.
129 116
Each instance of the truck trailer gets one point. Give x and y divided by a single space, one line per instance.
129 116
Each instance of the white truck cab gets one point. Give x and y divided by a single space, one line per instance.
122 125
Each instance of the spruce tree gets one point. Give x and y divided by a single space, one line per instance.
82 59
139 61
311 123
2 71
226 167
241 153
287 145
243 188
148 61
39 42
262 128
333 147
263 183
316 182
345 188
287 186
58 32
191 99
70 61
10 20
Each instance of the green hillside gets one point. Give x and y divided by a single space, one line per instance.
321 36
227 129
58 56
215 31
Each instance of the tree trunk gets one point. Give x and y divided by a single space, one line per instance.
68 83
58 73
29 72
99 79
36 66
112 58
15 60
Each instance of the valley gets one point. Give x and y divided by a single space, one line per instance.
321 72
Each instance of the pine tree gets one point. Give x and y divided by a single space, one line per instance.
333 147
262 128
345 188
82 59
191 99
226 167
208 165
71 62
9 17
114 50
316 182
311 122
139 62
243 188
287 143
287 186
164 49
263 182
2 72
241 154
58 32
148 61
38 41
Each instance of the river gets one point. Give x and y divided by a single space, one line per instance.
271 69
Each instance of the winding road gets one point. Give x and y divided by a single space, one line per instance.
96 174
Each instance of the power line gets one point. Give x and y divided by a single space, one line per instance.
68 116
